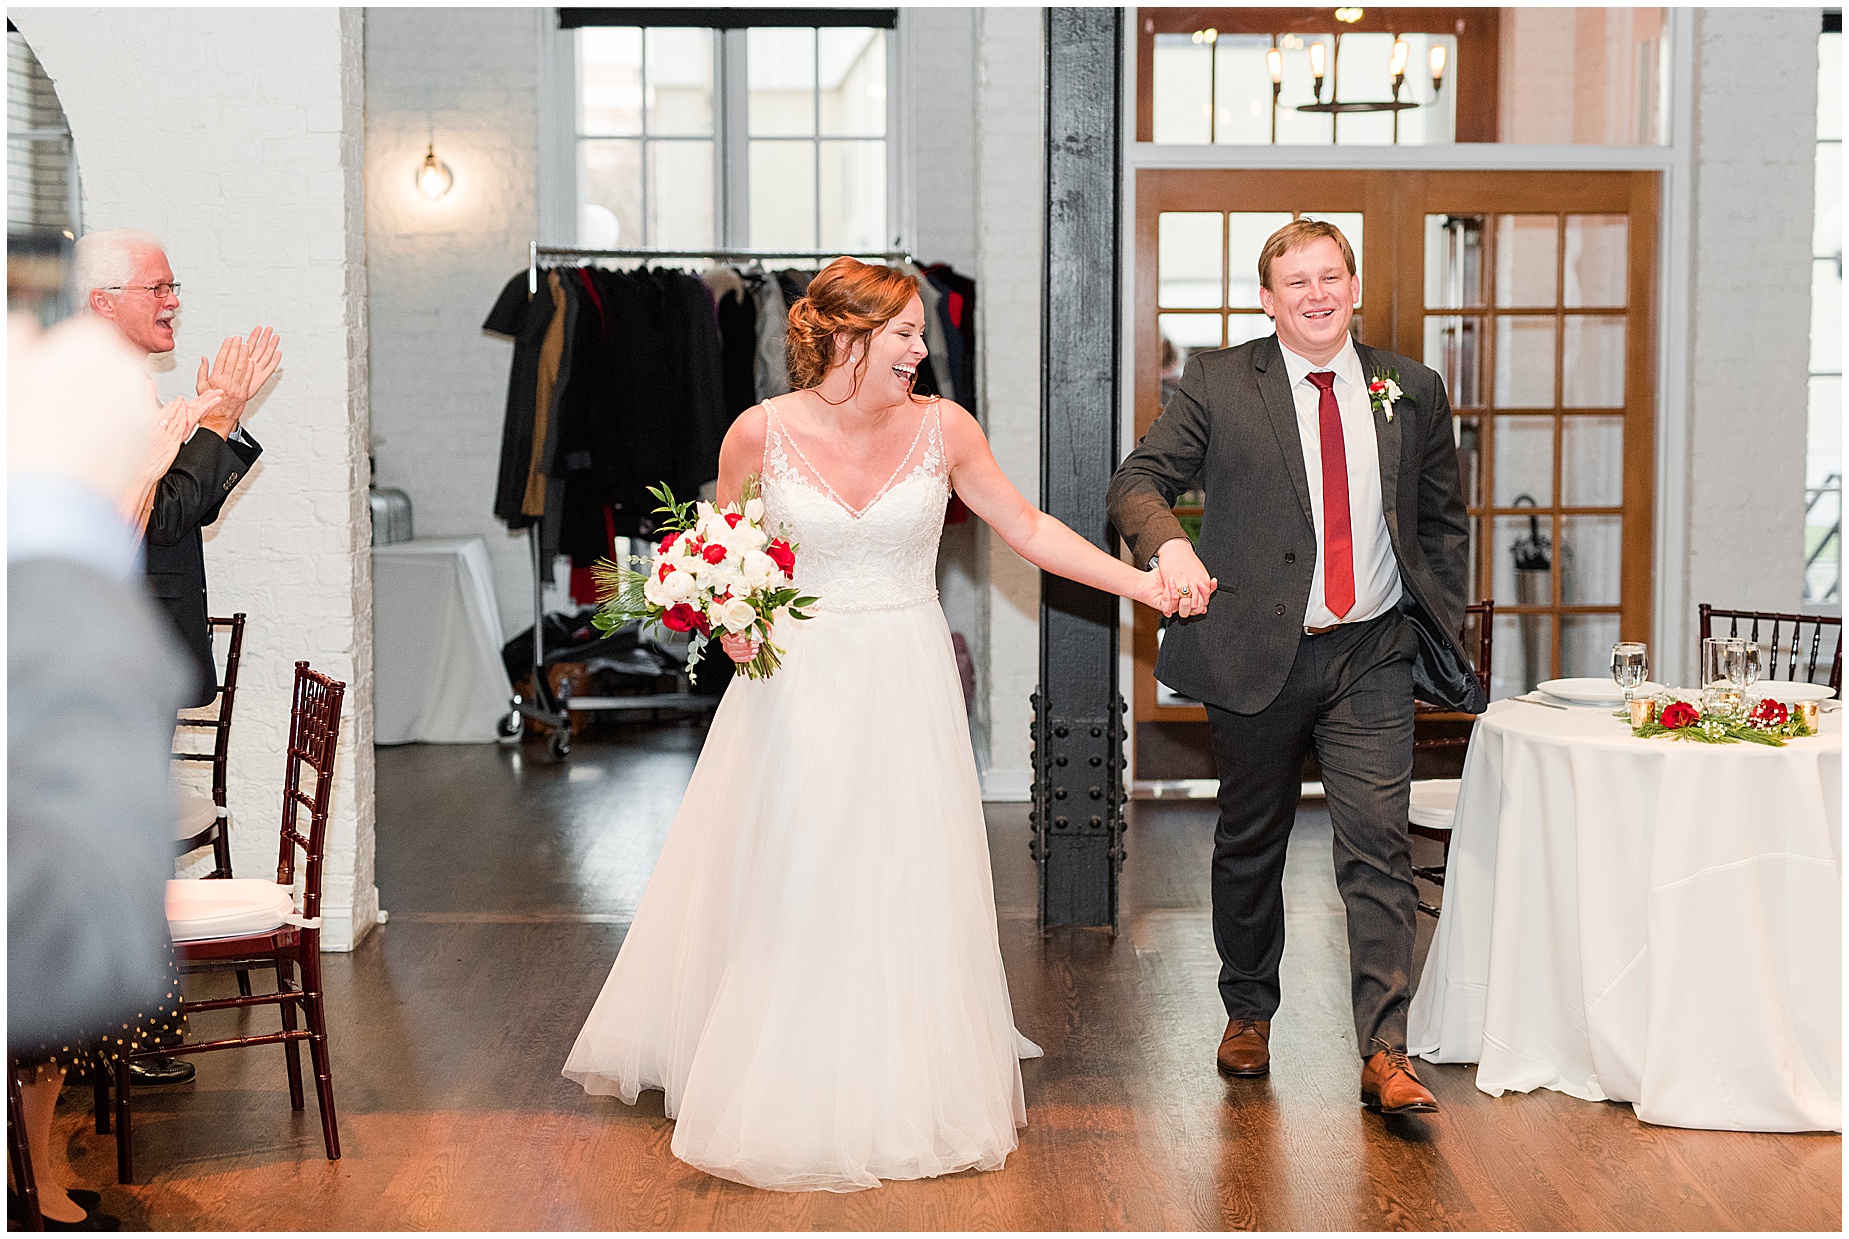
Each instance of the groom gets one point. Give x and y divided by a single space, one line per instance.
1334 523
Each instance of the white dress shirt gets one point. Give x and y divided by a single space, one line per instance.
1377 572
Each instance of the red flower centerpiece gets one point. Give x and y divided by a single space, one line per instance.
1678 714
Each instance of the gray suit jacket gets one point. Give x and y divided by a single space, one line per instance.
1232 423
90 807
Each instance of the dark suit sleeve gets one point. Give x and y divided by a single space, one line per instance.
1143 490
1444 527
189 496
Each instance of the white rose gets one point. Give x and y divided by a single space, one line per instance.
735 615
754 511
759 569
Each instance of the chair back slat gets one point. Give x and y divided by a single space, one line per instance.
1783 650
220 723
314 735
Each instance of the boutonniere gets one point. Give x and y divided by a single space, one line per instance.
1384 391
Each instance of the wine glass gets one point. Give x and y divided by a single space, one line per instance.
1630 666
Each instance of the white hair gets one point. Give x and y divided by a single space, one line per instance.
106 259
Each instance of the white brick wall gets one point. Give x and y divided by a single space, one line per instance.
468 77
1010 217
233 134
1749 345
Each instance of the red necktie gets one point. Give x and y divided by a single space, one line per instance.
1338 539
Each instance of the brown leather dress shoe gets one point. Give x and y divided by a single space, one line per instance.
1388 1085
1245 1050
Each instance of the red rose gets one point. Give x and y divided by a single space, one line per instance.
780 551
1377 387
714 554
684 618
1678 714
668 542
732 519
663 574
693 546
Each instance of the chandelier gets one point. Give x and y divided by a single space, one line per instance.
1319 63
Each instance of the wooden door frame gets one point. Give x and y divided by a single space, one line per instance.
1395 204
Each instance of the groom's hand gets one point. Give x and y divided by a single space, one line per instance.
1186 575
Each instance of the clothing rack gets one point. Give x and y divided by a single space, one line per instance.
545 708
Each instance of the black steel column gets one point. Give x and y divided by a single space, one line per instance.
1078 715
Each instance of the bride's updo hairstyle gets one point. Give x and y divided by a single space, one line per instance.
849 298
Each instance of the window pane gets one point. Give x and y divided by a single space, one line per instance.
1294 127
610 189
1246 234
680 81
1825 455
1523 654
1242 90
680 194
1470 467
1454 348
1525 362
610 80
1827 228
1453 261
1190 331
1830 86
1524 460
854 195
1362 66
1826 318
1589 560
1182 86
1596 270
1585 644
1243 327
1188 248
1434 121
1521 569
1526 249
851 70
1592 462
783 195
780 67
1592 369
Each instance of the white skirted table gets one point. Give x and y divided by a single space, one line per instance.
436 643
1651 921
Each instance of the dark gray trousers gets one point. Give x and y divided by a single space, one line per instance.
1349 695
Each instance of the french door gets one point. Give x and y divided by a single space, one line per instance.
1531 293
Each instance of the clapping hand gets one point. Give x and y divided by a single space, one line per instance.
242 367
1184 573
173 425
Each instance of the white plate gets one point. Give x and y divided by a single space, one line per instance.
1592 691
1781 690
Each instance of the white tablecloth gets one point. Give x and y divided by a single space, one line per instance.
436 643
1650 921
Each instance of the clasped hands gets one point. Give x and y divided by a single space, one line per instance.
1183 585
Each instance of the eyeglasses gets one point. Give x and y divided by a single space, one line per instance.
159 290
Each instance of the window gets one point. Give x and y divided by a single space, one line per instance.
41 166
1823 481
769 137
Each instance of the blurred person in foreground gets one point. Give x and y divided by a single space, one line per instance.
123 277
90 975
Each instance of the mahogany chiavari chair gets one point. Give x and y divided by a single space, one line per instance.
1784 641
1434 801
286 940
202 824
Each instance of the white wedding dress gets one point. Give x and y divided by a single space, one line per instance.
813 977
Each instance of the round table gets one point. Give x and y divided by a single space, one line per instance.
1651 921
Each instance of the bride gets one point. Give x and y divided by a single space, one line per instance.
814 977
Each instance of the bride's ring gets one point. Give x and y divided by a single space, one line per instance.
1186 591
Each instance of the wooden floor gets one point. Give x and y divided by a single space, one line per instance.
509 882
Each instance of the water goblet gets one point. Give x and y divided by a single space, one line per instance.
1630 666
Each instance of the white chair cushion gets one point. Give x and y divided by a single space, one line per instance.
225 907
193 813
1434 802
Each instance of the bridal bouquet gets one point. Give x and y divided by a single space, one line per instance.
716 568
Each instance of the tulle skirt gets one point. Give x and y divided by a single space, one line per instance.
813 977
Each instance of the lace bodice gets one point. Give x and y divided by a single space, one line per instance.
884 555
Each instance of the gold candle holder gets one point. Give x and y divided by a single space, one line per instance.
1643 711
1812 714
